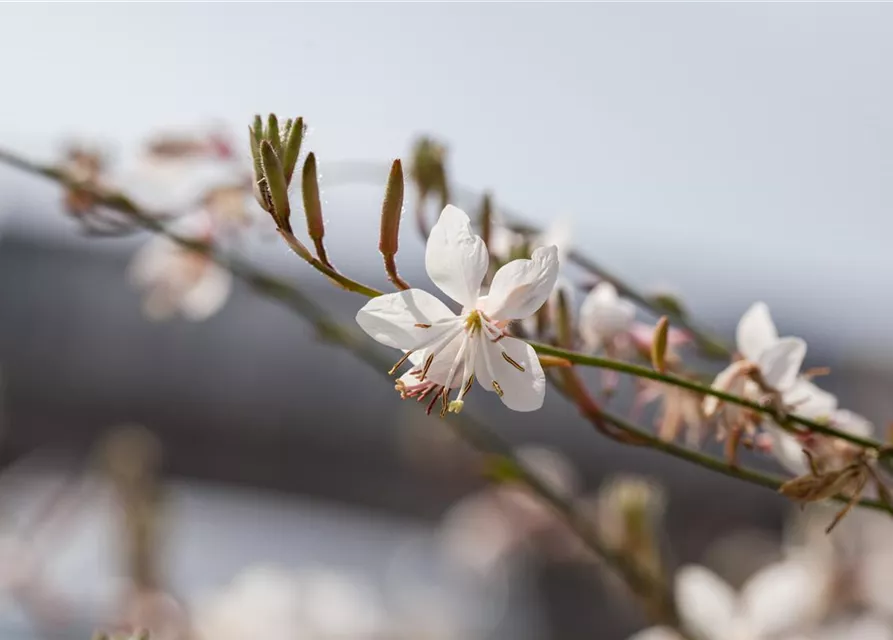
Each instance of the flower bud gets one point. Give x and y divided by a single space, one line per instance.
294 136
255 135
486 219
659 345
391 209
272 135
312 206
274 187
388 242
564 322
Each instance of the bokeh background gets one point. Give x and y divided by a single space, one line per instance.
726 153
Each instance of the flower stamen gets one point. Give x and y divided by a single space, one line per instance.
497 388
400 363
422 326
511 361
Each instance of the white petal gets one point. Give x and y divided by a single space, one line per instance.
604 315
787 450
852 423
443 361
756 331
208 295
456 258
391 319
706 603
521 287
656 633
724 382
807 400
521 390
781 363
782 597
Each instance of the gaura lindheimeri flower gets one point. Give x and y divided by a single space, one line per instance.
450 351
774 361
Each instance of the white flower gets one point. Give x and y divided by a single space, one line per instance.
604 317
828 453
777 600
776 360
180 280
451 351
268 602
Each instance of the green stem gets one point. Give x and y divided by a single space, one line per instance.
684 383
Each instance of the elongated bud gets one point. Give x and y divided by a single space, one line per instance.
255 135
659 345
564 325
273 134
293 139
391 211
486 219
313 207
274 185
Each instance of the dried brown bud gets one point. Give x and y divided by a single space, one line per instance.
811 488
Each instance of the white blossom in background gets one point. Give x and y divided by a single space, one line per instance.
177 280
775 603
857 559
606 319
174 173
452 351
267 602
485 529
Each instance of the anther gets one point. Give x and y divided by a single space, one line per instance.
511 361
497 388
468 384
427 366
400 363
423 326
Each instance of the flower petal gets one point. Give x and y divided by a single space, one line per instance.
783 597
456 259
706 603
787 450
852 423
756 331
780 363
727 379
604 315
807 400
208 295
522 389
399 319
521 287
656 633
